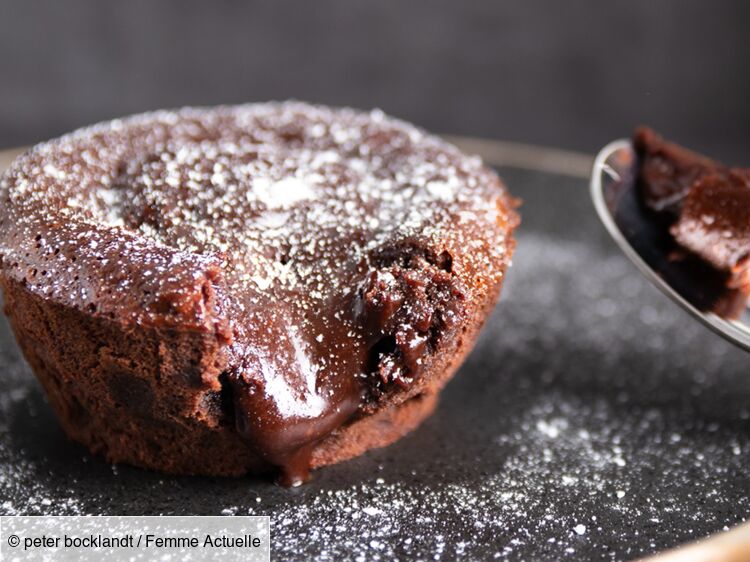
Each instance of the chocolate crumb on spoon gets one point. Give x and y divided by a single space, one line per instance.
682 219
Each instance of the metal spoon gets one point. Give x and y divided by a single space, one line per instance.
613 190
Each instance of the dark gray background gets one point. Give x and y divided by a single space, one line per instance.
573 74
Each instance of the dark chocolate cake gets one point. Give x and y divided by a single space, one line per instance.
247 289
704 204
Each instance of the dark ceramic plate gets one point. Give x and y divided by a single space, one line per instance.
594 420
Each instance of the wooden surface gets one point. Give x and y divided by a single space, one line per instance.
6 156
730 546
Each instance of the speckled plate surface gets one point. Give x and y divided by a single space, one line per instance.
594 420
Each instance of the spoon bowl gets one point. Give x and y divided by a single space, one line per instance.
690 283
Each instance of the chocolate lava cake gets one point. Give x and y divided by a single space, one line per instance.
705 205
268 287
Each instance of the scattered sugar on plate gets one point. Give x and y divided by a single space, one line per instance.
571 425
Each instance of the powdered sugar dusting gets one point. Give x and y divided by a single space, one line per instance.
573 412
287 200
257 184
282 194
513 507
